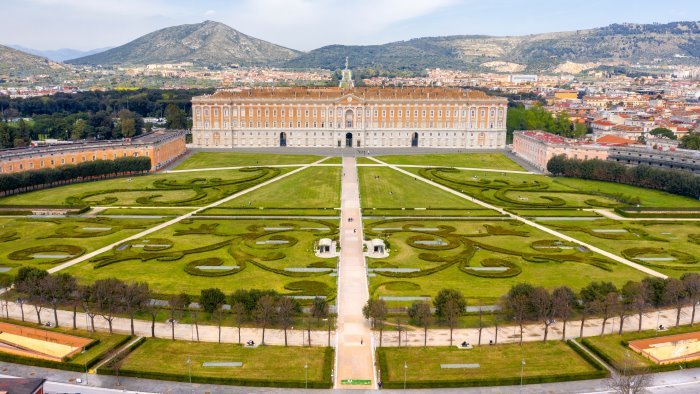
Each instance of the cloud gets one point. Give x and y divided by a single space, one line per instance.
209 13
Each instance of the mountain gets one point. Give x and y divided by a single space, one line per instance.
19 63
206 43
59 55
617 44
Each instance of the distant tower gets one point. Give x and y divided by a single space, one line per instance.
346 82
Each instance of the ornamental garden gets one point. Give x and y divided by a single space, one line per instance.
241 222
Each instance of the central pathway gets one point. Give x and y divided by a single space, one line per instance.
355 348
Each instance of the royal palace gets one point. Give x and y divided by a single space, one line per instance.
349 117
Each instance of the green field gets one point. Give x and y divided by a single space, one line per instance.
266 365
314 187
496 161
614 351
236 159
498 365
45 242
538 191
393 189
179 189
525 253
169 265
666 246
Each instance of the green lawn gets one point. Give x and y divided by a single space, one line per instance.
179 189
60 239
264 364
496 161
612 349
229 243
620 236
498 365
146 211
393 189
236 159
506 241
314 187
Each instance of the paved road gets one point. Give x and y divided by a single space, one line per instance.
355 349
540 227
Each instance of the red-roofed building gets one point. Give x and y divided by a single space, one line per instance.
537 147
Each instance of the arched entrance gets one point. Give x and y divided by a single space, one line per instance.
349 119
414 140
283 139
348 140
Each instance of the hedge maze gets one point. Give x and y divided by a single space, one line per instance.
522 191
202 251
461 251
172 191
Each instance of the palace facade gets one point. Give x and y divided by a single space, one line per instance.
350 117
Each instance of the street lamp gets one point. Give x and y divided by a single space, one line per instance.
189 368
405 368
306 376
522 369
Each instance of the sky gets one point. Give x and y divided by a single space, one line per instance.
309 24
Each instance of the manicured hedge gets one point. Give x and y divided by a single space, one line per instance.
32 179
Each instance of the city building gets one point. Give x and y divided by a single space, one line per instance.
537 147
161 146
683 159
357 117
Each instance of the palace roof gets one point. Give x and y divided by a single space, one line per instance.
333 93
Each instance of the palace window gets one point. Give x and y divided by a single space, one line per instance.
391 113
258 112
198 111
383 113
375 112
258 124
473 113
282 111
225 111
439 113
423 113
432 113
216 112
267 124
306 112
274 112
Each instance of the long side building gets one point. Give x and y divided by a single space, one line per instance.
355 117
161 146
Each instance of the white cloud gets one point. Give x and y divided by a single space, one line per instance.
209 13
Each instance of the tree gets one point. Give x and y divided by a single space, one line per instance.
628 381
239 315
663 132
600 297
422 315
264 313
136 296
445 295
376 311
319 309
691 141
674 294
58 288
691 282
175 118
633 297
654 291
286 307
108 294
543 307
211 299
518 304
29 282
6 281
177 304
563 302
580 129
154 307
